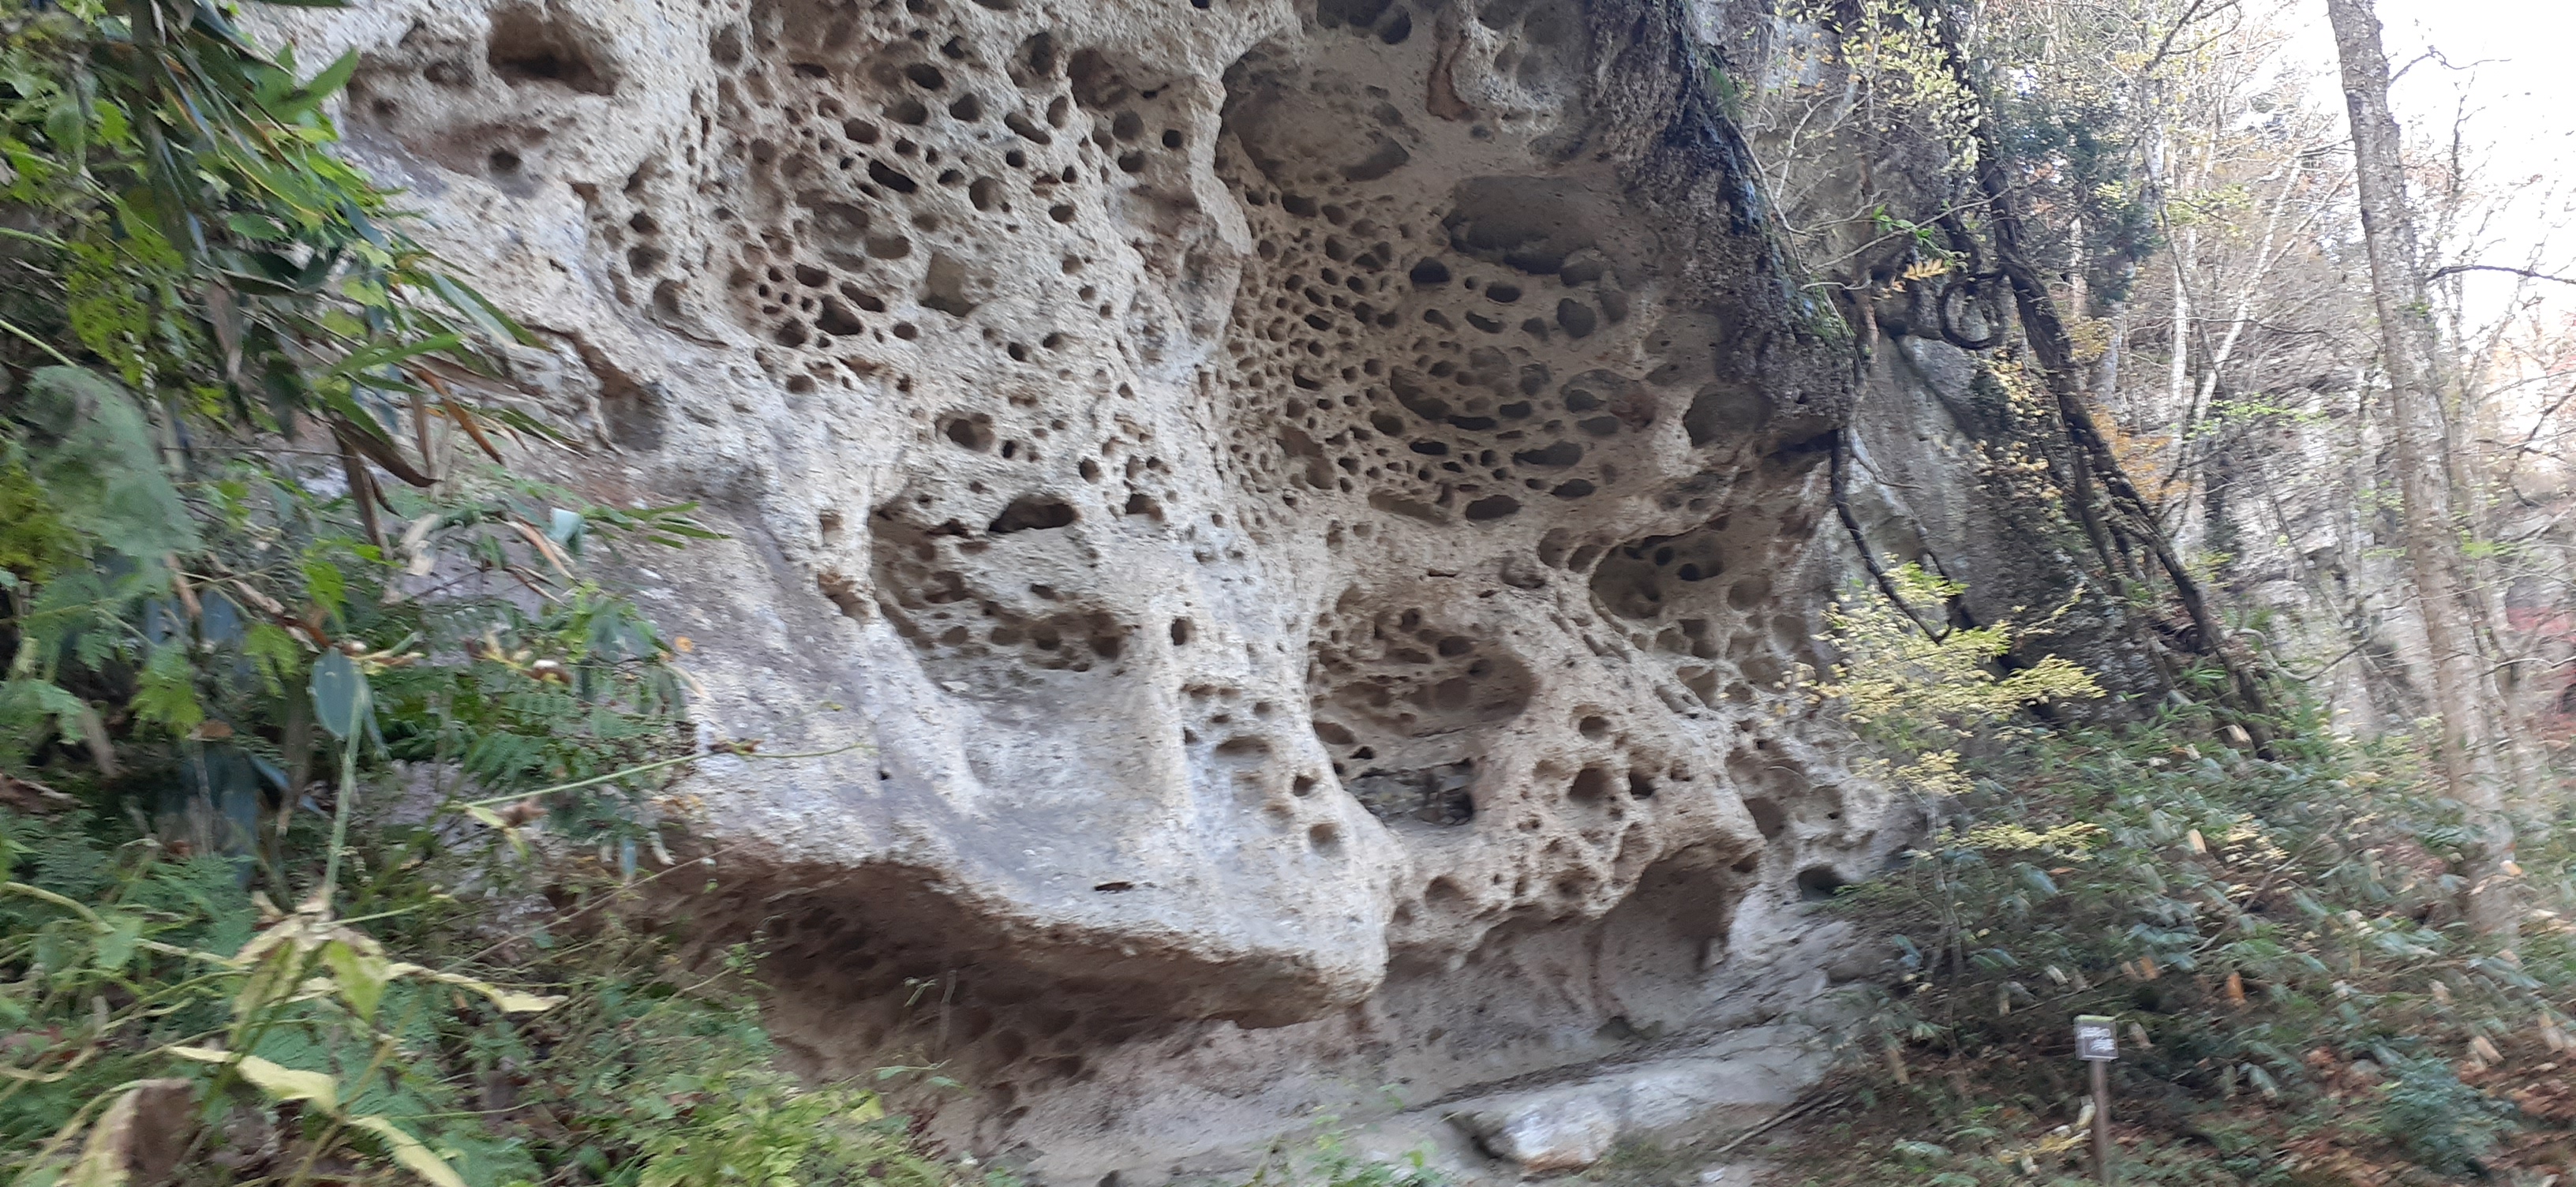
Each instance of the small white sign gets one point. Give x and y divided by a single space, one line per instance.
2095 1039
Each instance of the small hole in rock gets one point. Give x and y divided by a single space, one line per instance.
837 320
890 179
525 47
1033 512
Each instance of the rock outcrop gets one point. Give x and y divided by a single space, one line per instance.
1292 520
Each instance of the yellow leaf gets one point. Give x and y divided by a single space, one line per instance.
408 1151
2486 1051
495 822
415 540
277 1081
2197 845
275 975
511 1001
102 1162
269 937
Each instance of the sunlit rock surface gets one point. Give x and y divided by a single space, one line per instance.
1295 521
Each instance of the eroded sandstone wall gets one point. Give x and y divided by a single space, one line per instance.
1300 512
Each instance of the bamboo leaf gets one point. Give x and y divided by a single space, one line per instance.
359 976
340 695
323 86
116 945
276 1081
407 1150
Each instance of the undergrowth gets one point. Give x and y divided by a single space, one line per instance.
2278 935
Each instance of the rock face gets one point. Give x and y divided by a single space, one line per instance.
1292 519
1746 1077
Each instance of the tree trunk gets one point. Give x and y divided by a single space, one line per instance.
2093 461
2469 746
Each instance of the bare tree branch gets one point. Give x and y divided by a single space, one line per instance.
2456 269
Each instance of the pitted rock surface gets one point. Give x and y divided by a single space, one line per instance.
1292 520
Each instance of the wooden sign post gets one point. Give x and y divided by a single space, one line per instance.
2098 1044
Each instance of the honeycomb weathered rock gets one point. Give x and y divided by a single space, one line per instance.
1308 505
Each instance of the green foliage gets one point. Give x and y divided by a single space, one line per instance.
210 285
2277 935
1326 1156
626 1078
2444 1125
34 541
755 1127
2265 930
1920 696
2069 116
1894 59
203 242
90 449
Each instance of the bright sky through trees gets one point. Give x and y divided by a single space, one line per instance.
2501 68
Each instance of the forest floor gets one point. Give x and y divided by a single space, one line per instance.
2162 1135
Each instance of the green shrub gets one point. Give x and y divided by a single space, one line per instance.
2444 1125
2259 925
